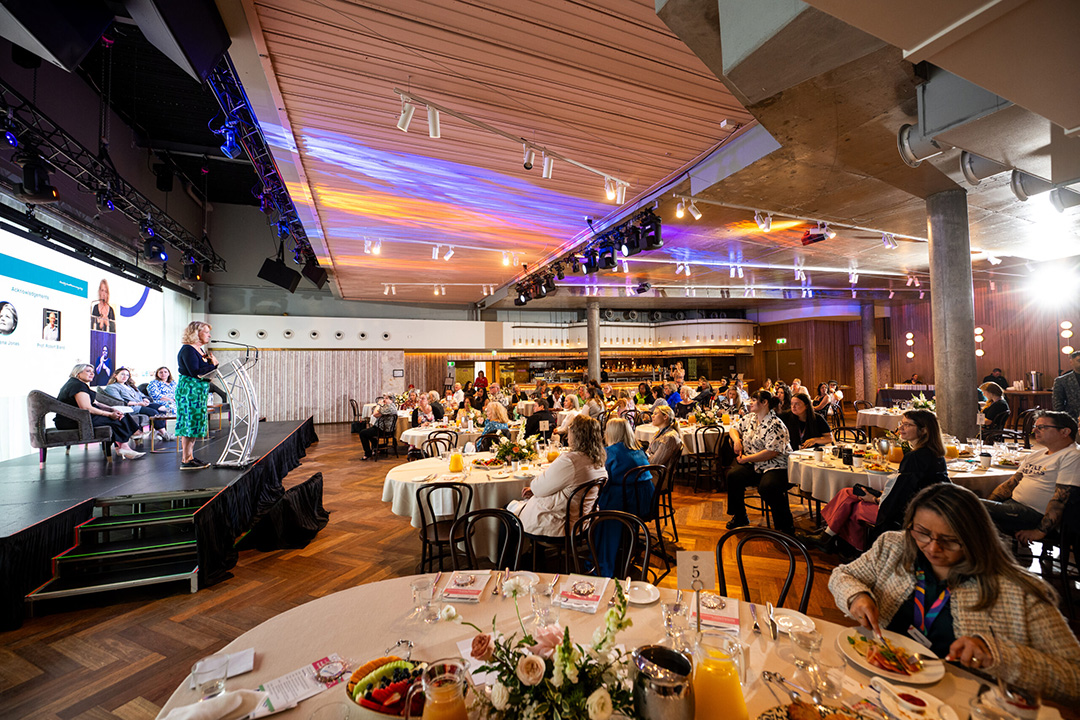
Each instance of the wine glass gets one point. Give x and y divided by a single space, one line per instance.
805 644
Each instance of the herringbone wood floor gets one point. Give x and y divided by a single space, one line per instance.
122 656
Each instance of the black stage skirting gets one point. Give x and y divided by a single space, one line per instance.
40 507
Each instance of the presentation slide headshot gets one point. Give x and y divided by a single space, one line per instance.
102 315
50 326
9 318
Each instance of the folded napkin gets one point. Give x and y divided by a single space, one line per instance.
725 618
467 593
217 707
588 603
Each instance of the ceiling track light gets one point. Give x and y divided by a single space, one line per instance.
506 258
740 271
449 253
393 289
764 222
367 247
435 252
433 123
620 193
407 110
680 210
693 210
386 290
436 289
549 166
376 247
888 241
529 157
609 188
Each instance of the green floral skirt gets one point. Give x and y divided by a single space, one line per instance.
191 417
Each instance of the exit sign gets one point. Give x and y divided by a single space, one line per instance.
450 363
781 341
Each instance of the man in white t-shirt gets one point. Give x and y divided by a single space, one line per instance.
1030 503
459 394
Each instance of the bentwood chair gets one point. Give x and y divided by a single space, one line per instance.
434 447
437 517
849 435
449 435
634 543
506 526
706 457
488 441
789 549
584 499
863 405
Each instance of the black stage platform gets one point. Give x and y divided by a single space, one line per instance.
40 507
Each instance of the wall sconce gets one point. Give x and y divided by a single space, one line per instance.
910 342
979 339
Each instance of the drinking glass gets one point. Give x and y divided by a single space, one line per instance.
805 644
544 603
676 617
336 711
423 592
209 674
827 675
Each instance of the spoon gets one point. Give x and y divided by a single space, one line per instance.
915 705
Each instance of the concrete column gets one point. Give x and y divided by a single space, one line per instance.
869 353
592 337
952 306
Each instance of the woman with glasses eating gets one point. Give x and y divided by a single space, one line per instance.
948 579
852 509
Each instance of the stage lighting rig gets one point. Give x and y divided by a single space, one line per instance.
104 200
154 251
34 188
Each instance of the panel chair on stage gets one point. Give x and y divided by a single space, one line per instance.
39 405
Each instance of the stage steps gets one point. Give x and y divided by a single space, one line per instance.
132 541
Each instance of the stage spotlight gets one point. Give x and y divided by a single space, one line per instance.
575 265
693 210
34 188
540 290
282 230
433 123
764 222
230 147
631 242
154 251
607 257
407 111
9 130
560 271
146 229
104 201
549 283
590 262
530 156
192 270
680 209
643 288
650 231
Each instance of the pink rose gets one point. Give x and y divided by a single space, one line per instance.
531 669
547 639
483 647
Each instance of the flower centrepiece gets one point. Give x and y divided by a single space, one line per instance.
708 418
520 451
545 674
920 402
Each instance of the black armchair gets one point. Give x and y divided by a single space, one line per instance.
39 405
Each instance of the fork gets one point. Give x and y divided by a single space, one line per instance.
498 583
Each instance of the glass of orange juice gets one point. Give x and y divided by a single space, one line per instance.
952 451
896 454
725 419
552 455
719 670
443 683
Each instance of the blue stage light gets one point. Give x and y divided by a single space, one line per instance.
230 147
12 138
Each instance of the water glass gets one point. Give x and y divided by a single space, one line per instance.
423 592
827 675
209 674
545 604
805 644
335 711
676 617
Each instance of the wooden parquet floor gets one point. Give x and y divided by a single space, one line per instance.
120 657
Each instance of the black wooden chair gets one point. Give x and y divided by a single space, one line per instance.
488 441
357 422
849 435
635 545
705 460
863 405
584 499
434 447
435 528
449 435
386 441
788 546
633 417
508 529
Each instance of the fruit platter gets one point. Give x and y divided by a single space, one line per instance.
488 463
381 686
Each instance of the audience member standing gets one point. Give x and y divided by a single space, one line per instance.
1067 388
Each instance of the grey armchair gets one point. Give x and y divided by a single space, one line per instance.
39 405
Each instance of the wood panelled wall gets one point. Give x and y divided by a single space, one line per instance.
826 351
295 384
426 371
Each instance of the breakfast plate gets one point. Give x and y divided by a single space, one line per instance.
791 620
642 593
849 640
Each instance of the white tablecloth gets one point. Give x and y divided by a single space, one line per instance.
645 433
824 480
417 435
363 621
878 417
526 408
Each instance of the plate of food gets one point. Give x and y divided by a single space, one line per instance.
524 475
877 468
787 620
806 711
1007 463
379 686
893 659
488 463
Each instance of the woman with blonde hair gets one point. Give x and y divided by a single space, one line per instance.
102 316
193 361
544 512
77 393
497 419
667 439
623 455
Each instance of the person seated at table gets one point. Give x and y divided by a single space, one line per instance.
806 428
797 387
671 394
644 395
996 410
467 391
623 402
783 392
767 386
423 412
459 394
572 408
556 397
741 387
686 406
1004 621
516 394
995 376
122 388
479 399
608 392
761 448
383 421
498 422
495 394
543 414
1030 504
852 510
162 390
705 393
544 512
623 455
437 409
541 391
667 439
450 403
76 392
595 407
412 399
823 398
730 403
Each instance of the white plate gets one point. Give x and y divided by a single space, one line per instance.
498 476
931 672
524 476
530 578
642 593
789 619
930 713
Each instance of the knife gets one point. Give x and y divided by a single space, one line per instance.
753 614
773 632
498 583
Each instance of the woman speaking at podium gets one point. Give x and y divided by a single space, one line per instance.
192 391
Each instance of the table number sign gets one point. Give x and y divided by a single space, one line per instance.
696 567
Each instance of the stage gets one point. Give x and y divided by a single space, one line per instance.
40 507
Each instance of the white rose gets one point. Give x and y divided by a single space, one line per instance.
515 586
531 669
500 696
599 705
449 614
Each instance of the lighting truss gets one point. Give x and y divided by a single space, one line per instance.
225 84
92 172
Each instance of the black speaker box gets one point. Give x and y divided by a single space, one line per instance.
191 33
60 31
277 272
315 274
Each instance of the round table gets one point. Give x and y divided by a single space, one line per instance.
646 432
399 489
362 622
879 417
416 436
526 408
823 480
